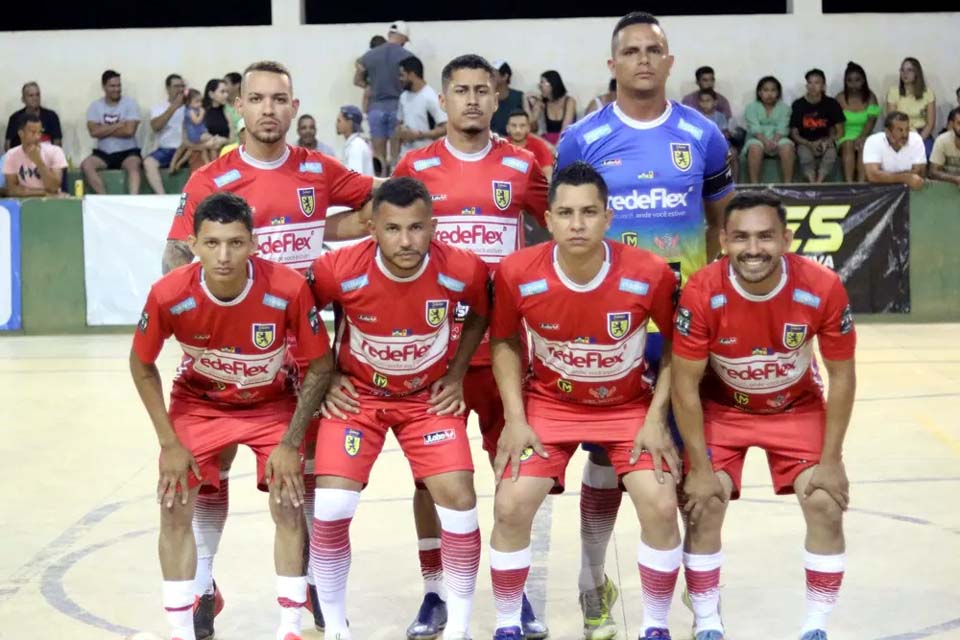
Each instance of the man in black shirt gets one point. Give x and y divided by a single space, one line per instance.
30 94
510 99
816 122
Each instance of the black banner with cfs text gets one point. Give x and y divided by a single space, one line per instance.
861 231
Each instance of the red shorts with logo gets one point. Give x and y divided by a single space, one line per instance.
563 426
432 444
206 436
793 442
482 397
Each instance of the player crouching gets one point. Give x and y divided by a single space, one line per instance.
584 303
230 312
398 291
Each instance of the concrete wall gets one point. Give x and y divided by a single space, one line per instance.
741 48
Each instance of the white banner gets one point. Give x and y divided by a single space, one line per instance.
123 242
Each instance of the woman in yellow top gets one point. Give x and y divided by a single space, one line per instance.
915 99
861 110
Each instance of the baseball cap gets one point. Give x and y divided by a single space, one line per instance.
352 113
399 26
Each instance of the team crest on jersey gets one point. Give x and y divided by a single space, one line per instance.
502 194
436 312
630 238
308 200
264 334
680 154
618 325
794 335
352 439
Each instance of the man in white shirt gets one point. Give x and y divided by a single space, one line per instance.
419 116
896 155
357 154
166 120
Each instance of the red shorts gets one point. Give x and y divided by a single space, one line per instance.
563 426
793 442
482 396
432 444
205 437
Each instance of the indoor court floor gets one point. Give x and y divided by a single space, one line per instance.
79 518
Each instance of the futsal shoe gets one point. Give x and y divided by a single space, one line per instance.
508 633
656 634
596 605
816 634
711 634
430 620
313 606
533 629
688 603
205 609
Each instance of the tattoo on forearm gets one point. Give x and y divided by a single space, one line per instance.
314 387
176 254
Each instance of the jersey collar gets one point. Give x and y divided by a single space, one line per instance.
755 298
643 124
240 298
468 157
594 283
260 164
390 276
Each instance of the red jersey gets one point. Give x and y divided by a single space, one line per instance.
234 352
289 198
394 336
760 348
540 149
586 341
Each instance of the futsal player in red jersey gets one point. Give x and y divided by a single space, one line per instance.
231 313
745 375
398 291
584 304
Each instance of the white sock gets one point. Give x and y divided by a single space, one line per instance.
702 573
600 498
658 577
508 573
330 555
460 553
291 596
824 576
209 519
431 567
178 600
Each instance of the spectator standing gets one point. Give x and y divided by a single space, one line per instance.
381 67
518 129
896 154
945 157
357 154
768 130
706 79
420 120
707 105
509 99
553 110
307 136
113 121
375 42
34 167
913 97
166 121
30 96
860 112
603 100
816 122
232 80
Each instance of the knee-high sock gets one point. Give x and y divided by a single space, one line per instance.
209 519
508 572
702 572
824 576
658 577
431 566
600 497
330 555
309 502
460 555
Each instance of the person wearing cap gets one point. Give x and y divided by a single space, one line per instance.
510 99
356 152
381 67
241 131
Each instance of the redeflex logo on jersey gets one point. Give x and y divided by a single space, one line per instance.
295 245
763 373
586 362
490 237
254 370
400 355
656 198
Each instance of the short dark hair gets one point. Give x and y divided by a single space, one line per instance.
764 80
107 76
171 78
27 118
376 41
707 92
518 112
576 174
413 65
702 71
953 114
402 192
233 77
750 199
34 83
269 66
304 117
468 61
505 70
815 72
223 207
895 116
636 17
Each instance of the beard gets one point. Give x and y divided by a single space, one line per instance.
266 137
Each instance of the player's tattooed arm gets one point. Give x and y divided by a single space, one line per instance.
312 390
176 254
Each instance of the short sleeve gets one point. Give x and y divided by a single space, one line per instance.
94 113
893 95
9 166
535 195
568 149
198 187
838 115
151 331
795 115
400 109
928 97
837 336
433 106
348 188
322 281
937 156
872 150
403 167
691 327
478 290
505 319
304 322
57 158
918 152
717 175
130 110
